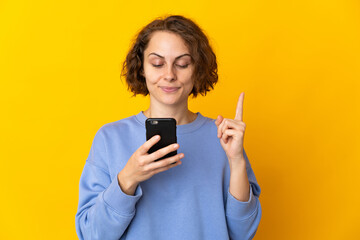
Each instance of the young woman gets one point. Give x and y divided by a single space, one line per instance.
208 190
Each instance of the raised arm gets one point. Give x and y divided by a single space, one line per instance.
243 210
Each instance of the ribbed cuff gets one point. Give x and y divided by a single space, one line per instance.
238 209
121 202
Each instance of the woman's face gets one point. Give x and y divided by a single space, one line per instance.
168 69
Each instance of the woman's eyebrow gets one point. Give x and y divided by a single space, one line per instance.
183 55
186 54
156 55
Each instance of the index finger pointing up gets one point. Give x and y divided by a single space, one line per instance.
239 107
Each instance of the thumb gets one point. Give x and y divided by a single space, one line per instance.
218 121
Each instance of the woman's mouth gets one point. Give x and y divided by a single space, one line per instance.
169 89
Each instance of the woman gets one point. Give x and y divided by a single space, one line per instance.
208 190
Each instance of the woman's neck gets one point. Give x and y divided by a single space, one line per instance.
182 116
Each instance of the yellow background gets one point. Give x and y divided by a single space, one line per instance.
298 63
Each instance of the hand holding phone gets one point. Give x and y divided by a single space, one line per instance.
142 165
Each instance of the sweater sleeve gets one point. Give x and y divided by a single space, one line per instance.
243 218
104 210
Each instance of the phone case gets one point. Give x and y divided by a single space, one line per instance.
166 128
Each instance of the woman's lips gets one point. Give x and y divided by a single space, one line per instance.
169 89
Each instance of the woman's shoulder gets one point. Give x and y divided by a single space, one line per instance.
208 120
122 125
203 124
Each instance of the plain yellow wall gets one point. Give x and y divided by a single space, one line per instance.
298 63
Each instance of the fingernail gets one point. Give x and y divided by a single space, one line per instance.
176 145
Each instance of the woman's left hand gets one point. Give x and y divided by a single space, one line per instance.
231 133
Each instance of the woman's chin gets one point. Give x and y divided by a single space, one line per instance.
171 100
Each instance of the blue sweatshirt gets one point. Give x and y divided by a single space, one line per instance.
189 201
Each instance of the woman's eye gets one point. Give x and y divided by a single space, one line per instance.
157 65
182 66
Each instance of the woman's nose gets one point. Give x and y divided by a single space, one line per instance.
170 73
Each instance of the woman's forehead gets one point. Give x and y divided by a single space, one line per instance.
166 44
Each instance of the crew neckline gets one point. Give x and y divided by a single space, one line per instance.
180 129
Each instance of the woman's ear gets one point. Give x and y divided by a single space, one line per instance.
142 72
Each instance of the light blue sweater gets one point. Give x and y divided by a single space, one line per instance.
188 202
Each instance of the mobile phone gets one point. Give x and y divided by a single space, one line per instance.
166 128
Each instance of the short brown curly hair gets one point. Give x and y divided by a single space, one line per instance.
205 66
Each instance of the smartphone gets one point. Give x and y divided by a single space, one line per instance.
166 128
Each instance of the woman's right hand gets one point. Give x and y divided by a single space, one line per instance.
142 166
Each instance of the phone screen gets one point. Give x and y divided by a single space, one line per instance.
166 128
